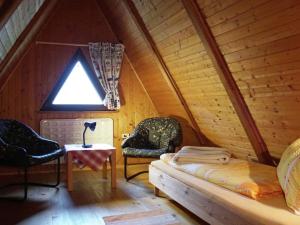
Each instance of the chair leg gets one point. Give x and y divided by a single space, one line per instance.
57 178
58 172
25 184
125 167
125 171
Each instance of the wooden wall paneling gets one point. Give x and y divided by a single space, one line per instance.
145 65
166 72
129 62
227 79
34 76
138 107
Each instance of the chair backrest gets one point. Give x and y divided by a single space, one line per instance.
160 131
16 133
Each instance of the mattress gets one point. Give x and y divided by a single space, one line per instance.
264 211
247 178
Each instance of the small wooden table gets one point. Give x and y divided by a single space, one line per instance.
96 147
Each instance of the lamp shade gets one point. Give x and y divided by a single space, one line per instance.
91 125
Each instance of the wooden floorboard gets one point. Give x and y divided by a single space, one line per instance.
91 200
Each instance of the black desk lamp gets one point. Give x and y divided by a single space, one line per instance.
92 127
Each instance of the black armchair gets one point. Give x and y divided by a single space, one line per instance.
150 139
22 147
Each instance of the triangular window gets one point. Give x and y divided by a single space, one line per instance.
78 89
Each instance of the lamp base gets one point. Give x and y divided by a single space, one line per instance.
87 146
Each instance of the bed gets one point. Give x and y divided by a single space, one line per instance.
215 204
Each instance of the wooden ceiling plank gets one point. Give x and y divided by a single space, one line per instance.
7 9
241 108
10 31
24 40
161 63
15 23
2 50
4 38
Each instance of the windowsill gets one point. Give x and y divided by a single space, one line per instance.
75 111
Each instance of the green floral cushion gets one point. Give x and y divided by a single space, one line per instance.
160 133
144 153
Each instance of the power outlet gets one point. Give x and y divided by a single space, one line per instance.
124 136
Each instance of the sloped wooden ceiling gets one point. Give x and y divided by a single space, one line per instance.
20 21
183 52
149 70
259 40
16 23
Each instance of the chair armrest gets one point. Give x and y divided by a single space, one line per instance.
171 148
40 146
136 140
130 141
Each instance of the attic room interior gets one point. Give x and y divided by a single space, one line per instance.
149 112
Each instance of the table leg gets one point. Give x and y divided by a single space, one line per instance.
69 171
113 169
104 170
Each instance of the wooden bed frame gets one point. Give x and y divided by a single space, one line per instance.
201 205
232 210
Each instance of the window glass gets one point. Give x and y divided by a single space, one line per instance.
77 89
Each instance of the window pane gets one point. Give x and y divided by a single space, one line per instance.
77 89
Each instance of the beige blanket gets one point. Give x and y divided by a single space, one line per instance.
254 180
194 154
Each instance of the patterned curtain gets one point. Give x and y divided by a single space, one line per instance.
107 60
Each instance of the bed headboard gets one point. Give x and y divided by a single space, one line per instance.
69 131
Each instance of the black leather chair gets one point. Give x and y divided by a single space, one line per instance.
151 138
22 147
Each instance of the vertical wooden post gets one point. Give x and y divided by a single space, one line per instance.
165 70
113 169
69 169
104 170
238 102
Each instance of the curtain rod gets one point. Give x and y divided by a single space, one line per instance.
60 43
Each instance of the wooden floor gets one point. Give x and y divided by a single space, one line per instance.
91 200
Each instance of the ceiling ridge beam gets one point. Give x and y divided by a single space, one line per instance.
203 30
23 42
164 68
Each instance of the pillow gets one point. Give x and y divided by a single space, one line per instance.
288 172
